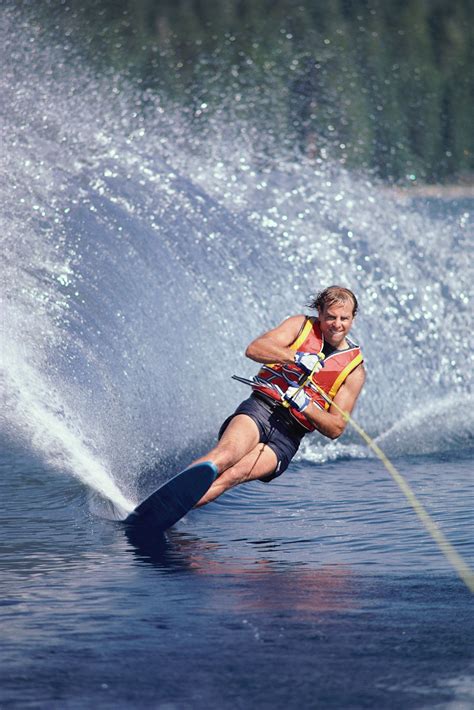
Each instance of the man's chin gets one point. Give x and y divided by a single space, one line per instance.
335 341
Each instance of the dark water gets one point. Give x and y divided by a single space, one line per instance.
138 259
317 591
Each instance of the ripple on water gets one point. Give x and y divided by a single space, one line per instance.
302 516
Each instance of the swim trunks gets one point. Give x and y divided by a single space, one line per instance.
278 429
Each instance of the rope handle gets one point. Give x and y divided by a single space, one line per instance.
304 379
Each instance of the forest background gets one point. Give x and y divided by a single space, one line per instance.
380 86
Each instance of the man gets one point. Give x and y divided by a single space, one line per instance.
301 358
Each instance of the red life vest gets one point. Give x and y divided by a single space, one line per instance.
273 380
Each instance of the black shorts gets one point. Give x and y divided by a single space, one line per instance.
278 429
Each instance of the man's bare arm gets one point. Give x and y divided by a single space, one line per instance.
273 346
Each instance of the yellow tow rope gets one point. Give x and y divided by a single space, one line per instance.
460 565
465 573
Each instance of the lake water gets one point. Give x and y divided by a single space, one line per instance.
320 590
139 258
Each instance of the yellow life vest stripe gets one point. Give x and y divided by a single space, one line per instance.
308 326
345 372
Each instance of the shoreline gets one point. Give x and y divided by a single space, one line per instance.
439 192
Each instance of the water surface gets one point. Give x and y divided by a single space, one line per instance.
139 257
318 590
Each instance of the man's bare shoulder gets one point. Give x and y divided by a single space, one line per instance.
356 379
291 325
350 389
359 372
294 321
284 334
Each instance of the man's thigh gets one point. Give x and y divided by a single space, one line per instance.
261 461
240 436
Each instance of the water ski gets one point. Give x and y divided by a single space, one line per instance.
174 499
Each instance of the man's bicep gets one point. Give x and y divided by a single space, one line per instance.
286 333
351 389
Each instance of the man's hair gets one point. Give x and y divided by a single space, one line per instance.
332 295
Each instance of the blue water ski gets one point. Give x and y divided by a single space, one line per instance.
174 499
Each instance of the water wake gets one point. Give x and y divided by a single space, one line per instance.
139 257
52 430
443 425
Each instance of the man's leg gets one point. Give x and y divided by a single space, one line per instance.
240 436
259 462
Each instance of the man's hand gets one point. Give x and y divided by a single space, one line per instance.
297 398
309 362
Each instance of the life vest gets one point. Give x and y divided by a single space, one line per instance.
273 380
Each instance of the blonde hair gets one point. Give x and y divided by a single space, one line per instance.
331 295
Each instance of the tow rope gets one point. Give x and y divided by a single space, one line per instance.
464 572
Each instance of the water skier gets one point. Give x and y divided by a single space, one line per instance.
259 440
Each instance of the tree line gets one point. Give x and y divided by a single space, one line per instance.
380 84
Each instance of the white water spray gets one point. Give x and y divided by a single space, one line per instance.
139 259
39 414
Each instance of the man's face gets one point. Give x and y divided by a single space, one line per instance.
336 321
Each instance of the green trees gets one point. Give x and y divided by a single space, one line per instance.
380 84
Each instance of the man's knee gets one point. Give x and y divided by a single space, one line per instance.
260 462
223 456
229 451
233 476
